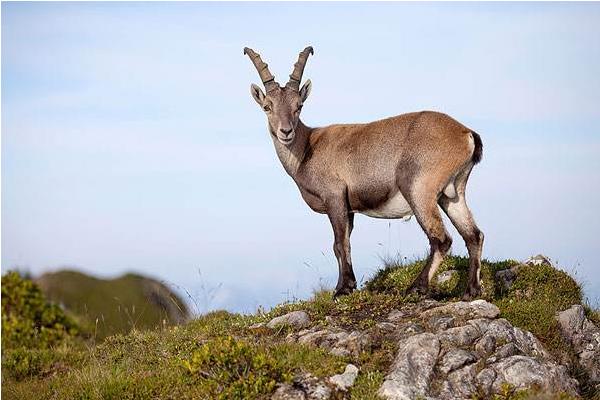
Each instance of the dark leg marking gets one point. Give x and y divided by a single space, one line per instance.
428 216
342 222
462 218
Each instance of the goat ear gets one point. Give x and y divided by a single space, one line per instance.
305 90
257 94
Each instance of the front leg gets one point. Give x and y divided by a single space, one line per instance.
342 222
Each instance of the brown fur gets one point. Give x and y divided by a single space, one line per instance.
348 168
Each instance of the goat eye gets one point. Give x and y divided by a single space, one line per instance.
267 108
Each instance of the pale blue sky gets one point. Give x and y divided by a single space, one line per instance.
130 141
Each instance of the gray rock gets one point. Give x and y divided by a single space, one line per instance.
340 351
540 259
486 345
334 340
460 336
355 342
396 315
584 336
459 384
447 351
465 310
485 379
455 359
345 380
441 322
286 391
524 372
500 329
412 329
528 344
472 353
507 350
325 338
318 391
412 370
296 319
483 324
386 327
314 337
305 387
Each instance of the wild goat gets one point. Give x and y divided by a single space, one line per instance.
392 168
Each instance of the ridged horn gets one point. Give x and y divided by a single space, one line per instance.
296 76
263 69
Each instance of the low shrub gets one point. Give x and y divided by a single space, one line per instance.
234 369
28 320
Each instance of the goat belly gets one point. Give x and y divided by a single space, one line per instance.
394 207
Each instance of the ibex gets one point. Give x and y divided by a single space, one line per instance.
393 168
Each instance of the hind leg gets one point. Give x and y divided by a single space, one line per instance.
428 215
457 210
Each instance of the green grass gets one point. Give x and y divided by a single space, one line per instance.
191 361
358 310
218 354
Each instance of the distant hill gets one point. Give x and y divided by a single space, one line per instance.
105 307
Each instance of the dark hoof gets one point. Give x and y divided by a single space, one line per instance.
471 294
418 289
343 291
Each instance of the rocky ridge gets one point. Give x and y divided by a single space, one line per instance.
584 336
449 350
445 351
531 336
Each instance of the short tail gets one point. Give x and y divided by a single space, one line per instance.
478 152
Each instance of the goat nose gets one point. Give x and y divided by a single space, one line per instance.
285 131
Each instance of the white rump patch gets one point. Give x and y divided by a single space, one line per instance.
394 207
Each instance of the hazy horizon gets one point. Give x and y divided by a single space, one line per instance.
130 141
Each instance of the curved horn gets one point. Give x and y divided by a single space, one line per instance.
296 76
263 69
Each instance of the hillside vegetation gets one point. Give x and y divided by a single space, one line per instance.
231 356
105 307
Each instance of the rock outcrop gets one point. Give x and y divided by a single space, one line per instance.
465 350
345 380
304 387
308 387
444 351
460 350
296 319
584 337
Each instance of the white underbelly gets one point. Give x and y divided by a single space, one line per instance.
395 207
